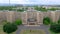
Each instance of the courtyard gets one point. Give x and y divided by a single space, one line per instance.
32 31
42 29
22 29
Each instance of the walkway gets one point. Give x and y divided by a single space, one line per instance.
44 27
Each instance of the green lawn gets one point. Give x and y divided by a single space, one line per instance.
32 32
53 32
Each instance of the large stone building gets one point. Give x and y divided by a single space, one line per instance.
29 17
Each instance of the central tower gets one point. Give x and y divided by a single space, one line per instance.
31 16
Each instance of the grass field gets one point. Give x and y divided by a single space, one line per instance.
32 32
53 33
1 30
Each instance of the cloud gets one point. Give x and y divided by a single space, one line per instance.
49 1
24 1
4 1
31 1
17 1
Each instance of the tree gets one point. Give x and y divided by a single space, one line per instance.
40 8
21 10
46 21
18 22
55 28
52 9
9 28
36 8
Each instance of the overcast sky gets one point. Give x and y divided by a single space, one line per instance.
31 1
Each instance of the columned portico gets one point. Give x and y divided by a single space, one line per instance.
31 18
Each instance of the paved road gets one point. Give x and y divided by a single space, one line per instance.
44 27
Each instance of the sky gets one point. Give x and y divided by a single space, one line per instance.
47 2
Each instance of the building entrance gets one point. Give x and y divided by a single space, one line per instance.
31 21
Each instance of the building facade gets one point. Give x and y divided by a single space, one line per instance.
29 17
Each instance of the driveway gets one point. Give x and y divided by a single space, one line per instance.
43 27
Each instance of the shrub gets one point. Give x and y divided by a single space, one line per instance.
46 21
18 22
59 21
9 28
53 23
55 28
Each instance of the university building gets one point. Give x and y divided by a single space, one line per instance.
29 17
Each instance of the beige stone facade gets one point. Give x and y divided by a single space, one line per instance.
29 17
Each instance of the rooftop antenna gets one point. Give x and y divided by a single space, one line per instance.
9 2
24 6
